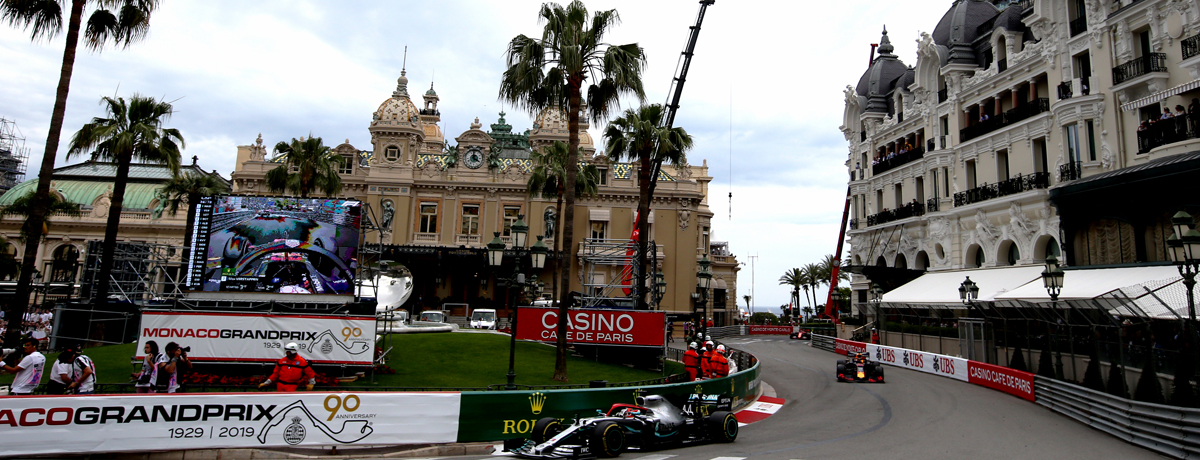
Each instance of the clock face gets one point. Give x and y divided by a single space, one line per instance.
474 158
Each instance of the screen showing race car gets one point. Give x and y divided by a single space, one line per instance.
275 244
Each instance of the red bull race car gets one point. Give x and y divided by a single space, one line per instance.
653 421
802 334
857 368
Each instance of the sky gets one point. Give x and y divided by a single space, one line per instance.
763 100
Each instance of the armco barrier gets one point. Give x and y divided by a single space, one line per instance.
1168 430
1016 383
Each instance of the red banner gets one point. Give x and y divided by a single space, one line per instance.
848 346
757 329
593 326
1016 383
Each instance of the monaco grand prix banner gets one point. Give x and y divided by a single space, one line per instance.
248 337
98 424
594 326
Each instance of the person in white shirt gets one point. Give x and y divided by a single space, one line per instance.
83 372
29 370
147 378
60 374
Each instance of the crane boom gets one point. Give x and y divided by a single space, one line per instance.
676 91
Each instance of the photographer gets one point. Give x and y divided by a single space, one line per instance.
169 364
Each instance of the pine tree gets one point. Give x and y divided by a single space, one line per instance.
1045 366
1018 360
1091 377
1182 393
1116 381
1148 388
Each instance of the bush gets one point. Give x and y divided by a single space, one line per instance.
1148 388
1018 360
1091 377
1116 382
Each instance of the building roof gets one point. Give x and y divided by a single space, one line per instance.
84 182
879 79
958 28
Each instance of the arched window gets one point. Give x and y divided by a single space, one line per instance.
901 261
63 267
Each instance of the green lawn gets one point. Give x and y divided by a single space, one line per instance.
453 360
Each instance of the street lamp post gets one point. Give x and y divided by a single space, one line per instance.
1052 278
877 300
968 292
1184 250
537 256
660 289
703 281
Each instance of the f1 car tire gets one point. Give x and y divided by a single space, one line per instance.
722 427
545 428
607 440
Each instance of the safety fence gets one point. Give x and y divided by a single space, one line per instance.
1168 430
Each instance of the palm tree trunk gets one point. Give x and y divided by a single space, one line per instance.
110 232
558 207
568 224
643 225
37 217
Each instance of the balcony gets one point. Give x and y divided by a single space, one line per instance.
1012 186
1153 62
1190 46
931 205
1167 131
425 238
1078 25
1026 6
943 95
942 142
1065 91
897 160
1028 110
853 224
466 240
1070 171
909 210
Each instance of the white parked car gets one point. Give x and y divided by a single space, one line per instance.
483 318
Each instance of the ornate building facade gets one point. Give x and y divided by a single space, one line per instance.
1021 131
437 205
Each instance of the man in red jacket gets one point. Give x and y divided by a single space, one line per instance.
718 364
291 370
691 362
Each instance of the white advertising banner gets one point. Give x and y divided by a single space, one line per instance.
945 366
260 337
31 425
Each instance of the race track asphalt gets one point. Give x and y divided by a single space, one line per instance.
912 416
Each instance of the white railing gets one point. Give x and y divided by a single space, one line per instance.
470 240
431 238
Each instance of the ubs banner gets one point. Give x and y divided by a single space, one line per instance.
594 326
261 337
77 424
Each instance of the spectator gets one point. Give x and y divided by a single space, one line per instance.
83 372
169 364
1166 114
60 374
29 370
149 374
1178 111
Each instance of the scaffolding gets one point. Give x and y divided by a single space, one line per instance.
142 272
13 154
608 271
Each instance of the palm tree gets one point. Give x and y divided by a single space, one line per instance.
188 188
130 131
551 72
812 279
306 165
22 207
639 134
808 311
548 180
120 22
794 278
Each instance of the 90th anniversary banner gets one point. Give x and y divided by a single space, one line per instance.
33 425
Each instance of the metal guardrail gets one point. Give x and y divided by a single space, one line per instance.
1168 430
823 342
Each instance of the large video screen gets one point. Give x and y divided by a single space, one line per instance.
273 244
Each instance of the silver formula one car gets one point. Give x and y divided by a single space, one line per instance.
652 422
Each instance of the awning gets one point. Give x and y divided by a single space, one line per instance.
1091 283
942 287
1137 104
